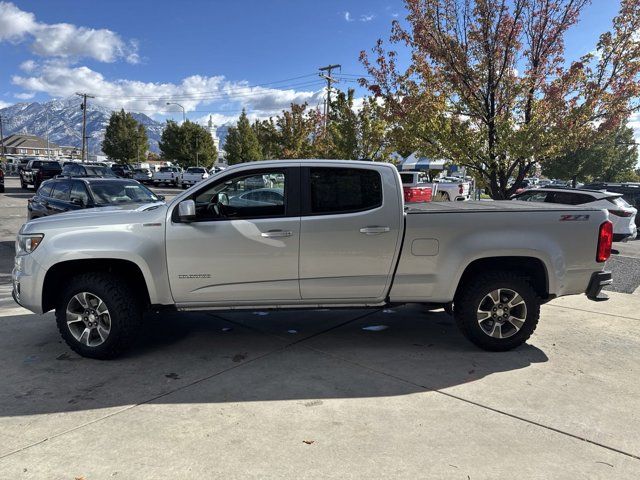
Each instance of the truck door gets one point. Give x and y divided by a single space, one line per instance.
350 232
241 247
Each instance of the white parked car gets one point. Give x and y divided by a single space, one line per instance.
170 175
193 175
621 214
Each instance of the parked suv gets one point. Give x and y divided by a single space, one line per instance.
630 192
37 171
65 194
621 214
86 170
122 170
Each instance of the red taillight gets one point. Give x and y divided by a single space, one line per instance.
461 189
605 239
620 213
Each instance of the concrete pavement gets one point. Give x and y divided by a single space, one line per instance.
237 396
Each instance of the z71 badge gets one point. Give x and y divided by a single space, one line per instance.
196 275
574 218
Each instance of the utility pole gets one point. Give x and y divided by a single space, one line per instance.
83 107
330 80
1 139
48 146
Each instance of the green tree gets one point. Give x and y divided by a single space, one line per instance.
188 144
300 132
125 139
612 159
269 138
241 144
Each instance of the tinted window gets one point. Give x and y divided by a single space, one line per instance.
406 177
532 197
61 191
45 189
195 170
79 191
165 169
569 198
41 163
335 190
242 197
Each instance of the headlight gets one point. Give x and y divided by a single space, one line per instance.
27 243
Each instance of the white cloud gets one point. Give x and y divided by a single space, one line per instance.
25 95
60 80
28 65
63 40
347 17
14 23
367 17
5 104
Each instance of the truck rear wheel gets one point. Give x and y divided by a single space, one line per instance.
96 315
497 311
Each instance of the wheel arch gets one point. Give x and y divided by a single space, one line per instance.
532 267
56 277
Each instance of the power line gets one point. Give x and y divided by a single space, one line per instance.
213 92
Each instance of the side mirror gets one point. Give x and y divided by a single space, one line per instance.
161 197
187 210
77 201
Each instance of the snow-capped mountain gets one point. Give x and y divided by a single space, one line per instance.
62 118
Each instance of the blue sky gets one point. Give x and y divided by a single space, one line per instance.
204 54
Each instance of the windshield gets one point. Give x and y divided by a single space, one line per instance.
40 164
110 193
195 170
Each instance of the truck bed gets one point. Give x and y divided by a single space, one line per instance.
490 206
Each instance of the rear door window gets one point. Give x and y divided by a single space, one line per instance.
79 191
61 191
532 197
45 189
343 190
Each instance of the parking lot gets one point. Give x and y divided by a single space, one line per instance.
322 394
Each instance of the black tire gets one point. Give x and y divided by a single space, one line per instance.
125 314
470 300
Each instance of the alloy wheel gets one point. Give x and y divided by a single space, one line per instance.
502 313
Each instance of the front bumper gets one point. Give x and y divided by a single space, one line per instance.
598 280
27 283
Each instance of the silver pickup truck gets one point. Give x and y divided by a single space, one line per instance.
307 234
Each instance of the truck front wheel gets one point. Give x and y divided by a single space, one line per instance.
497 311
96 315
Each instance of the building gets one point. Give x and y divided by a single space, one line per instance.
26 145
214 135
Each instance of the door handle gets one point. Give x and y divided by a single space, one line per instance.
276 233
374 230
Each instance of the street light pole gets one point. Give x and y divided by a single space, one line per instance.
184 115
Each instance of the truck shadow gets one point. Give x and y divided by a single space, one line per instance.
253 356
